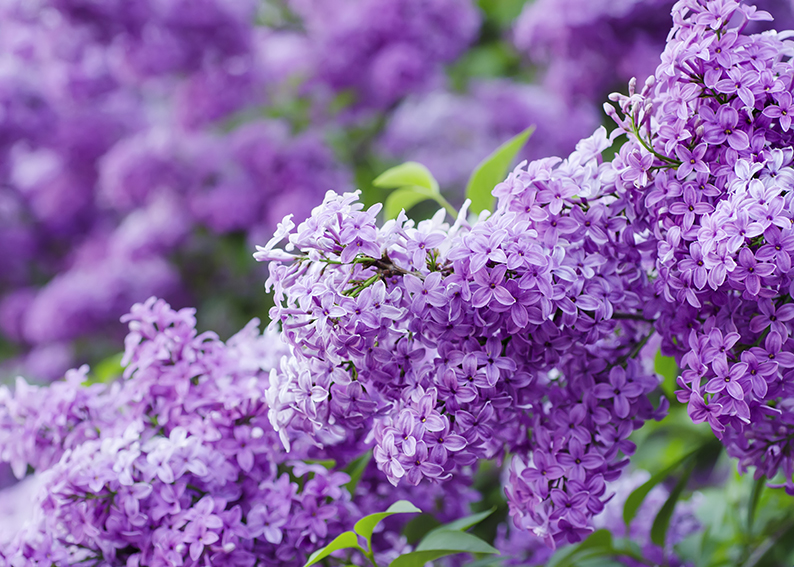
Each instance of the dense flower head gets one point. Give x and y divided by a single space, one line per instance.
457 342
177 462
709 159
585 48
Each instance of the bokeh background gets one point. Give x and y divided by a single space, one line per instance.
147 146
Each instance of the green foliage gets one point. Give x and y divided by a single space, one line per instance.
438 542
107 370
492 170
666 367
502 12
600 549
405 198
636 498
365 526
662 521
408 174
442 542
413 183
464 523
346 540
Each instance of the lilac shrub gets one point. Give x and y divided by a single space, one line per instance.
531 318
383 50
584 49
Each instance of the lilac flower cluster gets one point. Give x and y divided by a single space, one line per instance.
129 132
175 465
709 165
456 342
519 332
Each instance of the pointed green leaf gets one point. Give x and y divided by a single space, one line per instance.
405 198
366 525
107 370
344 540
463 524
327 463
493 170
775 550
662 520
666 367
420 558
442 542
752 505
636 498
407 174
456 540
598 543
419 526
355 470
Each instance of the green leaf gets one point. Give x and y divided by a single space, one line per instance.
752 505
440 543
636 498
492 170
666 367
407 174
355 470
346 540
405 198
327 463
599 543
419 526
365 526
662 520
463 524
107 370
775 551
455 540
419 558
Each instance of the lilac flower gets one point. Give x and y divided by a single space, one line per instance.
618 390
782 110
691 160
491 287
772 316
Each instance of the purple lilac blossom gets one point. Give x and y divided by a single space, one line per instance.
177 462
722 227
575 250
497 339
